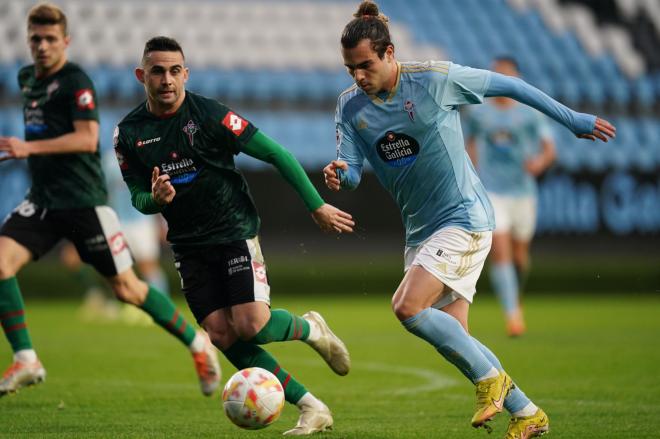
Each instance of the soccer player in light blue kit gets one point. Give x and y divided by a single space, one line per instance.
403 118
510 145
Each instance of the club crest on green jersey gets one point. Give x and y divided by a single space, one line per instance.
190 129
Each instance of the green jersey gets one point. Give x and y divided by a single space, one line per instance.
50 106
195 146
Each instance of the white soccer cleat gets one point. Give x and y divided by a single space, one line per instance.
207 366
312 420
328 345
20 375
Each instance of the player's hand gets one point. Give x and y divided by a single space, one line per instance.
13 148
535 166
162 190
602 130
331 219
330 174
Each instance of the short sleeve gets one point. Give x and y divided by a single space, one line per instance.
465 85
128 165
234 130
83 101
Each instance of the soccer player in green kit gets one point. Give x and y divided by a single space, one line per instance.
67 200
176 152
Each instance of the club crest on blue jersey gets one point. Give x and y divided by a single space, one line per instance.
409 107
190 129
397 149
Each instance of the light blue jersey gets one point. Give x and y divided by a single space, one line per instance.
506 138
412 138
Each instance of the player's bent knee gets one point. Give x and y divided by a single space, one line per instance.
222 340
404 309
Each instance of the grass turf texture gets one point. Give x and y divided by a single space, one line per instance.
589 361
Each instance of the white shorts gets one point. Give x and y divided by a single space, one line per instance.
143 238
454 256
514 215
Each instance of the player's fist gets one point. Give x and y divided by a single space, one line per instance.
331 176
162 190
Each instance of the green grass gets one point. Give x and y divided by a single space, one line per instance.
591 362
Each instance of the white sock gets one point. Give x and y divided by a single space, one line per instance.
199 342
492 373
25 356
309 400
314 331
528 410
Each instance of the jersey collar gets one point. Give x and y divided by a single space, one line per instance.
376 99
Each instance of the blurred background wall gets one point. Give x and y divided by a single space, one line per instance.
277 62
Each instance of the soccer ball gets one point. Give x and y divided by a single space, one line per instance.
253 398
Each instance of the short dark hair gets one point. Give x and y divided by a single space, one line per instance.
507 59
161 44
47 14
370 24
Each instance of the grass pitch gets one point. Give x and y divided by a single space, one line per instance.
591 362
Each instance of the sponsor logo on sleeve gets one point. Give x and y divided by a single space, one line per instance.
85 99
234 123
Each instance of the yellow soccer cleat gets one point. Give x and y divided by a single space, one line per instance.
526 427
490 399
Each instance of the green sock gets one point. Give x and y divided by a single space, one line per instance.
12 315
243 354
282 326
163 311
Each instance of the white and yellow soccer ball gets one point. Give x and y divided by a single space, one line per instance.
253 398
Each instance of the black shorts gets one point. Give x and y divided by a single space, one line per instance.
94 231
221 276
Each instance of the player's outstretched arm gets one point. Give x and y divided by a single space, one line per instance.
83 139
586 126
328 217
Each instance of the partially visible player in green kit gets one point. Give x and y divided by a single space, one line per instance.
67 201
176 152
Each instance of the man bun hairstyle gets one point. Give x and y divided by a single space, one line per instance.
370 24
161 44
47 14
